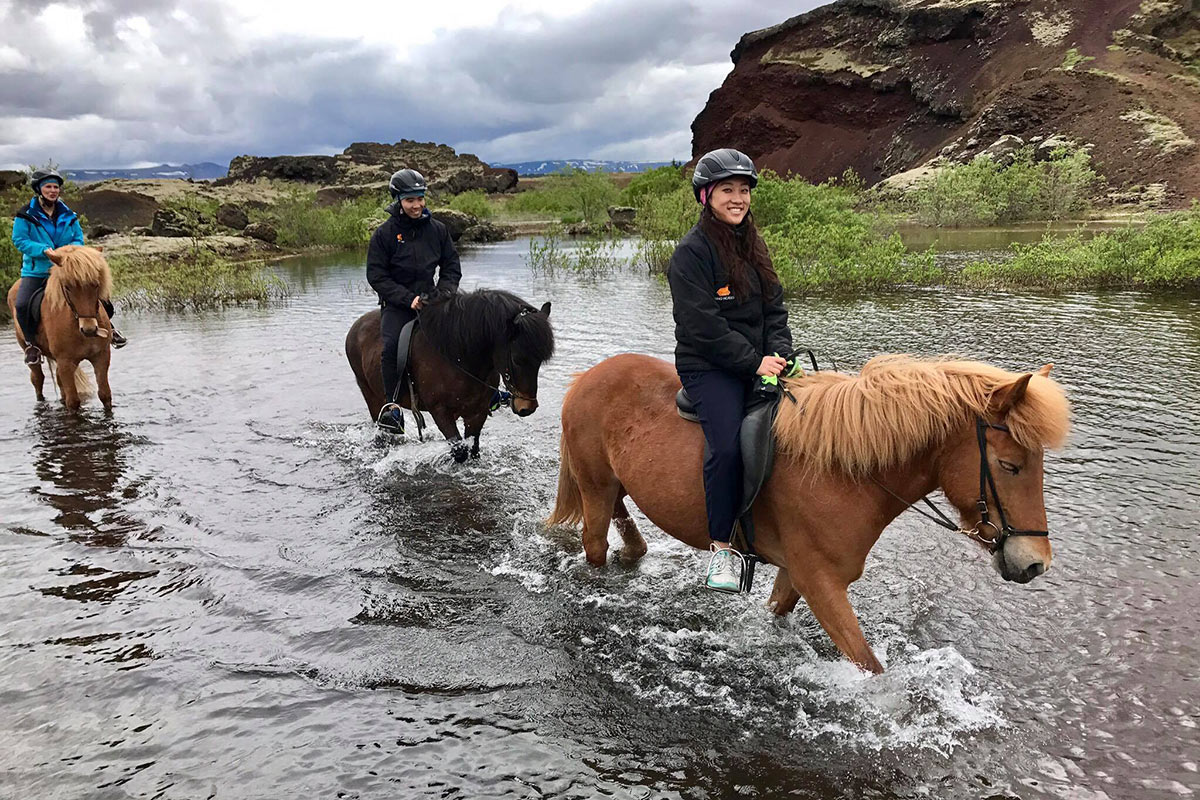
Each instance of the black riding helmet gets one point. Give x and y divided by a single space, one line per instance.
40 176
718 165
407 183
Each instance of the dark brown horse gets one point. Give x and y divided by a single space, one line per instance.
849 447
461 351
74 326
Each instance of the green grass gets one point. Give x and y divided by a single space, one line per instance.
1074 58
1164 254
199 281
300 222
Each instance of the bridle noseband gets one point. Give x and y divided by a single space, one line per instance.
1001 532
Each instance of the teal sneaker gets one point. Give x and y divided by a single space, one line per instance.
391 418
724 570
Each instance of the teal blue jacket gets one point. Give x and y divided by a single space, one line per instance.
33 233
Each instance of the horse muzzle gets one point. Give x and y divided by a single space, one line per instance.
89 326
1019 563
523 407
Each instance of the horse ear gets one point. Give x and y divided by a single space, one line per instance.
546 308
1007 396
1045 371
55 257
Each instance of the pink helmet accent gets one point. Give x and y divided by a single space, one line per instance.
705 191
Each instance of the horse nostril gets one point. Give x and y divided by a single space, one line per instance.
1034 569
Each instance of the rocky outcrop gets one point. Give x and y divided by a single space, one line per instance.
231 215
883 86
366 166
11 178
116 209
263 231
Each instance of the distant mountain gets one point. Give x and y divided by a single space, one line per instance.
591 165
199 172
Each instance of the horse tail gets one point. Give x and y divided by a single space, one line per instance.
84 386
568 507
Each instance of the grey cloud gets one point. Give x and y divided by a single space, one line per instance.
569 87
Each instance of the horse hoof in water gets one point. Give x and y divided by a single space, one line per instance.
460 451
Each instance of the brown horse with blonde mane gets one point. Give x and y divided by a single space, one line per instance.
853 453
74 326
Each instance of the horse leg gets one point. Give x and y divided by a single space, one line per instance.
448 425
831 606
100 367
784 596
65 374
635 545
472 427
598 506
38 378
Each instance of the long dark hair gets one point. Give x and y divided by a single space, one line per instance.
740 248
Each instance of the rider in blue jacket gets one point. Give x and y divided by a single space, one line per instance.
44 225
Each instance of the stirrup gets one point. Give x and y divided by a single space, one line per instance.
738 563
391 418
33 355
119 339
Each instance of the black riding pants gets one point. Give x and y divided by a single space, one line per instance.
393 320
25 319
25 305
720 400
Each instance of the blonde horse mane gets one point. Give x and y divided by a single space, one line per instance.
80 266
899 405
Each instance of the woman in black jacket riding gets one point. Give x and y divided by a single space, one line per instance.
730 327
402 258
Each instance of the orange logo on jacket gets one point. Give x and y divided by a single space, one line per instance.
399 237
724 293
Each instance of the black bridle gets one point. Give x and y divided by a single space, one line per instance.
71 305
994 543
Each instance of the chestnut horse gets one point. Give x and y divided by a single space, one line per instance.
849 449
460 352
74 326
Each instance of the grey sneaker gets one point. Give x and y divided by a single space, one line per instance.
391 418
724 570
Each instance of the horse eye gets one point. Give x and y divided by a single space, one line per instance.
1009 467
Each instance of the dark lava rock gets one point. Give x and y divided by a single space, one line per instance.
233 216
116 208
263 231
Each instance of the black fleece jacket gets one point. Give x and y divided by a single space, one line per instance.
403 255
714 329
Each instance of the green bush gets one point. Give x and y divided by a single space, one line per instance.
474 203
985 193
655 182
1165 253
300 222
575 193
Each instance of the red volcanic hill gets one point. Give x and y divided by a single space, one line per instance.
882 86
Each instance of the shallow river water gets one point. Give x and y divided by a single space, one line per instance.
232 588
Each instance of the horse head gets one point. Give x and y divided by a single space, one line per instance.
529 343
79 280
991 470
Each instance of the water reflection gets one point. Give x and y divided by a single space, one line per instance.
82 460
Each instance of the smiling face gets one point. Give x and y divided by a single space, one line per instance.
730 200
414 207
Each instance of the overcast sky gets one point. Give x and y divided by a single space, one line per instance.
104 83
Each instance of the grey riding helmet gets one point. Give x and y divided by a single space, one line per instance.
719 165
407 183
40 176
